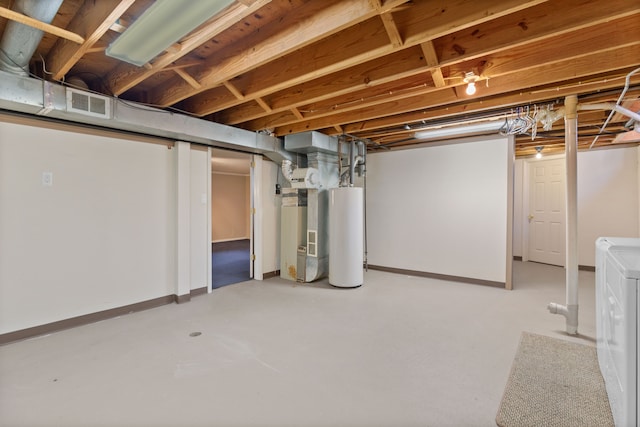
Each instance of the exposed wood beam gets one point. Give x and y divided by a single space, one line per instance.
544 51
304 26
582 67
95 49
181 64
392 29
93 19
39 25
187 78
390 92
538 23
297 113
234 90
370 128
523 58
363 42
126 76
401 64
327 57
263 104
431 57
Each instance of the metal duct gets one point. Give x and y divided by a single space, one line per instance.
20 41
33 96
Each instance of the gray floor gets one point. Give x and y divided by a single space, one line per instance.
399 351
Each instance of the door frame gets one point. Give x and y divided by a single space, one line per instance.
209 221
254 183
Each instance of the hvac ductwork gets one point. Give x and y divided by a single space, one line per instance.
37 97
20 41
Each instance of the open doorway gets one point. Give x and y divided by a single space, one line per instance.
231 237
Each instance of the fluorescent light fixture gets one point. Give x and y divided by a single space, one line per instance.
486 127
160 26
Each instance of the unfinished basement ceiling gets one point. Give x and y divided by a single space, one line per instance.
374 69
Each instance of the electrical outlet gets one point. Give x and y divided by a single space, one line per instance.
47 179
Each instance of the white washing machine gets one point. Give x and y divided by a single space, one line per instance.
618 324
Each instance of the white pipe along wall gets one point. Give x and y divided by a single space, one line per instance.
570 310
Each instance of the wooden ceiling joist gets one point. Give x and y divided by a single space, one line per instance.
263 105
544 53
187 78
365 43
331 20
93 20
375 69
522 81
127 76
39 25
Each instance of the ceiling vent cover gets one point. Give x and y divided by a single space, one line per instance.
88 104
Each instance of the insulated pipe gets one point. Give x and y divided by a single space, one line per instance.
20 41
287 170
570 310
352 162
364 201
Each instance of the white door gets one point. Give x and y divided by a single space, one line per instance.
547 211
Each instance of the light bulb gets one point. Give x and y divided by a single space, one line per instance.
539 151
471 88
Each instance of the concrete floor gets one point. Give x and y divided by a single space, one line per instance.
399 351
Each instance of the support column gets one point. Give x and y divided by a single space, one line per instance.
571 159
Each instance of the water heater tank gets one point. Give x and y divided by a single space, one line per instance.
346 237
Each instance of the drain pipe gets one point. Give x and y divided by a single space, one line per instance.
20 41
570 310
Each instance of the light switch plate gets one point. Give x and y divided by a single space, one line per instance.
47 179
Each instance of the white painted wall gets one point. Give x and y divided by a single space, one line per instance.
102 236
608 199
200 244
440 209
230 204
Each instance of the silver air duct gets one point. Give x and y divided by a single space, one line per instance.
20 41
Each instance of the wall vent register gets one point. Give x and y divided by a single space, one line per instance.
88 104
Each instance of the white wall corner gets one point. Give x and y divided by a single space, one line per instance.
183 217
257 203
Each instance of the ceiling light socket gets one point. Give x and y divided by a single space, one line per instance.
470 79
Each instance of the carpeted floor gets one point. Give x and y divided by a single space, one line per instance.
554 383
230 262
